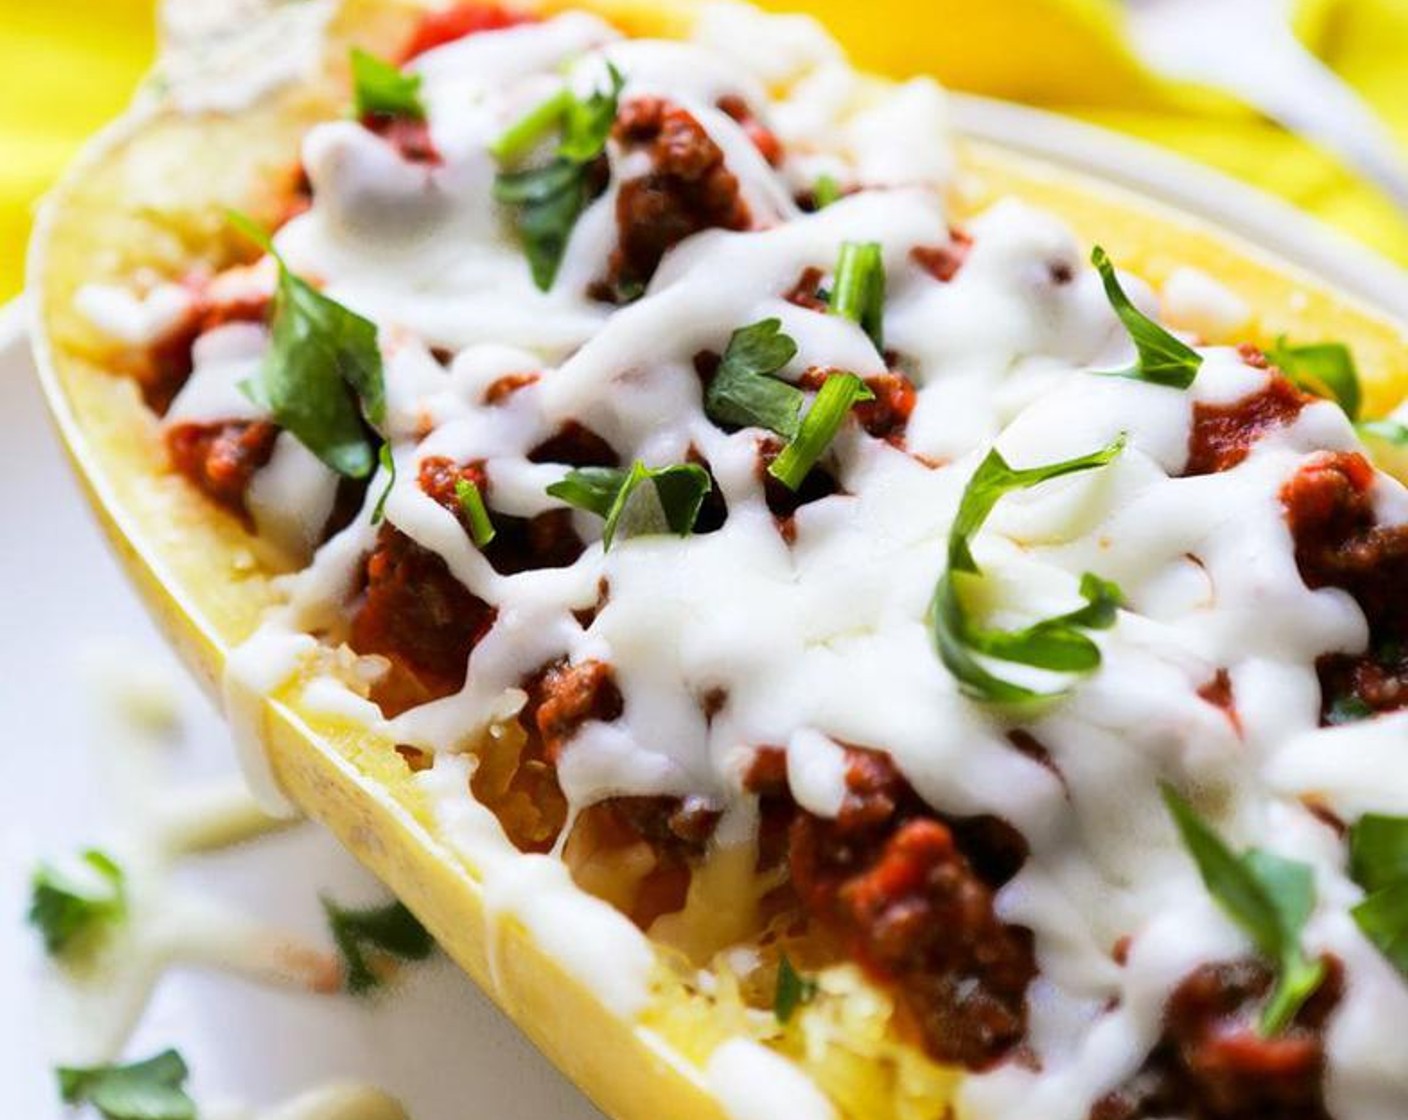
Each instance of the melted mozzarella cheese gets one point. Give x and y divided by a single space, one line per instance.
825 641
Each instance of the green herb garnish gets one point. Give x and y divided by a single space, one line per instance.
69 905
153 1089
1390 431
1378 862
1378 851
1348 709
1383 919
1328 370
384 90
825 191
535 125
858 293
388 464
391 930
1325 369
1162 358
1053 644
670 505
838 395
481 528
548 200
322 377
793 990
745 392
1269 896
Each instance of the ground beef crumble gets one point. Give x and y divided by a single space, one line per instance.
910 895
575 445
943 262
520 544
1212 1062
168 364
1223 435
1340 543
220 459
410 136
563 696
807 291
688 188
763 138
649 844
416 614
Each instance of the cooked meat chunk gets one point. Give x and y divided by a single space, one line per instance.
687 189
221 459
909 895
1214 1064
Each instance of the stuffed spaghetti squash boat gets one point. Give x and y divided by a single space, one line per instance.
782 610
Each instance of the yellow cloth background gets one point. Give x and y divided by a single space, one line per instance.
66 66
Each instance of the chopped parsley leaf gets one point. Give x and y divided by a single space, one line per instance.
670 505
1053 644
1378 862
1383 919
793 990
825 191
1326 369
1348 709
1390 431
322 376
1269 896
547 201
384 90
745 392
154 1089
388 464
69 905
391 930
1378 851
523 135
1162 358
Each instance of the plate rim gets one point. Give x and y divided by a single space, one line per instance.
1262 219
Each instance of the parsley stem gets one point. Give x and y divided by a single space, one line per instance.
520 137
819 427
858 293
825 191
481 528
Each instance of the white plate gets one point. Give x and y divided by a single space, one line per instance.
437 1043
1261 218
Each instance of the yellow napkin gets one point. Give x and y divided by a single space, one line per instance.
66 66
1070 56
